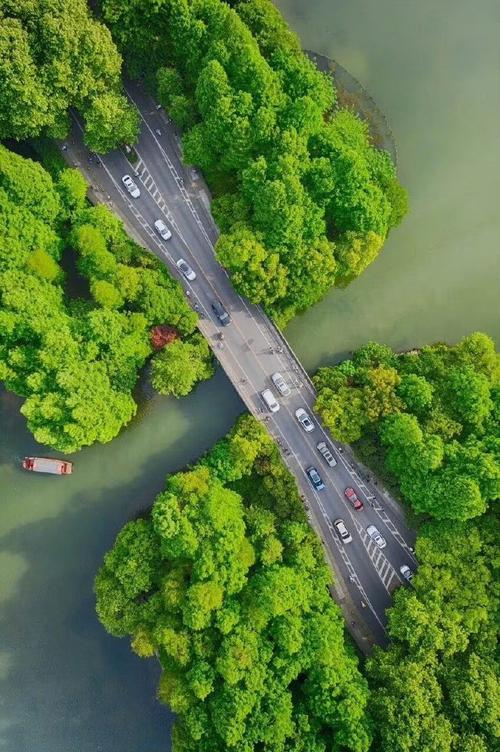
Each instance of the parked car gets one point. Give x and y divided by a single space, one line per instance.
280 384
270 400
304 419
162 230
352 498
131 186
325 451
221 313
342 531
186 270
375 536
406 572
315 478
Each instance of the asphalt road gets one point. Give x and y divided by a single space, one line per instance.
251 351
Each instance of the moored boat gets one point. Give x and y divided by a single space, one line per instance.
48 465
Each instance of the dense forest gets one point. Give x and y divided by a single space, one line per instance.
82 307
54 55
302 198
224 581
430 421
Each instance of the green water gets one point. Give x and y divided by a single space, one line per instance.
434 69
65 685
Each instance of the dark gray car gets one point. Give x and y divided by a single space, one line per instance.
221 313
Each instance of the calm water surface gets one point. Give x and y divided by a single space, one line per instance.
434 69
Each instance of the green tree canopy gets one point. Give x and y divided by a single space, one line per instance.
226 583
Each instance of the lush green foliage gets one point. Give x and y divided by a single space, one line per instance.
76 359
178 367
302 198
225 582
431 419
437 688
53 56
433 415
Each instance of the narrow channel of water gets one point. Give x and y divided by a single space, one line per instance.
434 69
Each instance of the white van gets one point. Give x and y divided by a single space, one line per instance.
270 400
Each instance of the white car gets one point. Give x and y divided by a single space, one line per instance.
131 186
304 419
270 400
342 531
162 229
186 269
281 385
375 536
406 572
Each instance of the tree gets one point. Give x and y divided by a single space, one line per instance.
289 173
77 360
178 367
250 643
110 121
428 415
57 58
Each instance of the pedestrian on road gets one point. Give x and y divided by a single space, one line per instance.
64 147
188 293
158 106
196 307
158 132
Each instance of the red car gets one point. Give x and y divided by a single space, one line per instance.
353 499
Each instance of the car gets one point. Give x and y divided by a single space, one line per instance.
315 478
270 400
342 531
406 572
221 313
375 536
186 270
352 498
304 419
131 186
325 451
280 384
162 229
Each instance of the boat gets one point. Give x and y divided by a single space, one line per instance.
47 465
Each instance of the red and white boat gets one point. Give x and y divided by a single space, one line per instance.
48 465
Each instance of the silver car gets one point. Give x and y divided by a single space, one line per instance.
280 384
406 572
184 267
324 450
131 186
375 536
304 419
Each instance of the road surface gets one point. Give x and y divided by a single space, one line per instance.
252 350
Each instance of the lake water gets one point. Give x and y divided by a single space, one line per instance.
434 69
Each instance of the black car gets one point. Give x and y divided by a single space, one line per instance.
315 478
221 313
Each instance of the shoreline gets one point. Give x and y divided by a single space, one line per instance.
353 96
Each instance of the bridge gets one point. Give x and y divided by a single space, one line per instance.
252 350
